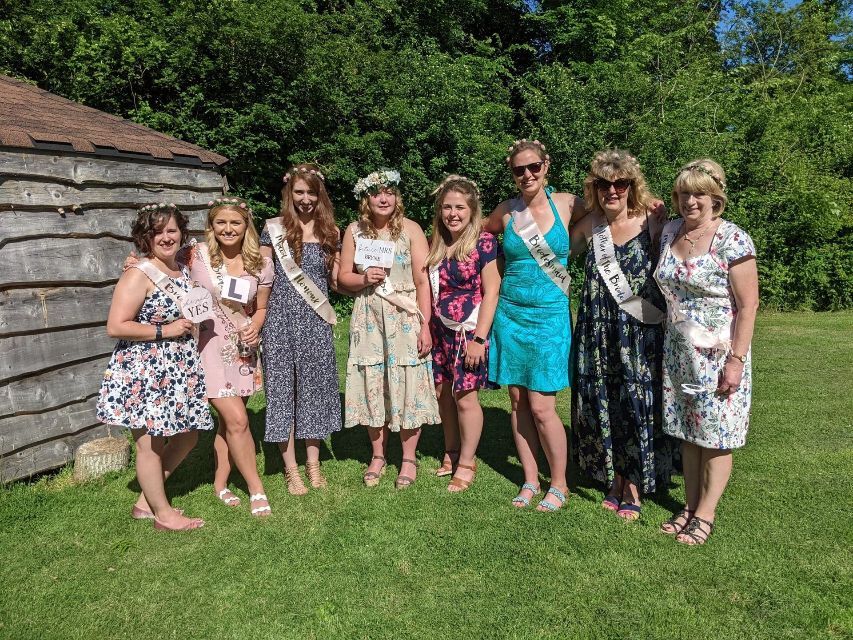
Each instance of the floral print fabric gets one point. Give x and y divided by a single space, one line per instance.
701 289
459 293
387 382
617 423
156 385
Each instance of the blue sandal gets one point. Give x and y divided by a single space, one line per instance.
627 511
520 499
557 494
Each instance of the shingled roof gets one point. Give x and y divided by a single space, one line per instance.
32 118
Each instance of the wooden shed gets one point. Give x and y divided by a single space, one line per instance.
71 179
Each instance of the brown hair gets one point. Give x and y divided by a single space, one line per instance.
616 164
150 220
324 217
395 224
250 249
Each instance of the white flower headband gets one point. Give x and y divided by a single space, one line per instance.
294 171
375 181
456 178
515 145
171 206
230 202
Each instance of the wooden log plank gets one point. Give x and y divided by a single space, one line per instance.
48 455
56 260
33 194
24 310
19 432
16 225
86 170
48 390
21 355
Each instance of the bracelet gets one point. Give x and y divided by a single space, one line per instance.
158 332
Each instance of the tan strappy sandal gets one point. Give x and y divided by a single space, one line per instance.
295 486
404 482
315 476
457 485
371 478
447 468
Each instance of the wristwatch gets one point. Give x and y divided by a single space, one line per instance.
479 340
737 357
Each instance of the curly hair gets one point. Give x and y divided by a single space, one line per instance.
702 176
324 214
395 224
616 164
441 237
251 248
150 220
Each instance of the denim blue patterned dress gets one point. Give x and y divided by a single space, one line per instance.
617 423
531 332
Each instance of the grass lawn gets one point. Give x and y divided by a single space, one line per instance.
350 562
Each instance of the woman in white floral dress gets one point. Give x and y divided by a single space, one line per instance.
707 272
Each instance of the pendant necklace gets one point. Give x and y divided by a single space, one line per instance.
693 242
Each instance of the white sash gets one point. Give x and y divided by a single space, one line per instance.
617 283
469 324
527 229
238 318
386 290
309 291
162 282
695 333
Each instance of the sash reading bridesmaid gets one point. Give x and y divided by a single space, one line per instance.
531 333
389 371
154 384
464 279
303 401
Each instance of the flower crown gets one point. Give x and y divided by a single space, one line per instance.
295 171
373 182
456 178
524 141
162 206
222 201
702 169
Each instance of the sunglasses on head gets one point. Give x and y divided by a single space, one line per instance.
533 167
621 185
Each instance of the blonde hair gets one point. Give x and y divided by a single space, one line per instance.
251 248
702 176
441 237
395 224
612 165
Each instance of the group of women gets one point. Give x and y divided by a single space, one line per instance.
661 349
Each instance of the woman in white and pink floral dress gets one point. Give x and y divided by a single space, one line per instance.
707 272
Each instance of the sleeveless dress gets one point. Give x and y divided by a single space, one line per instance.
387 382
156 385
531 332
218 338
459 292
700 285
617 423
300 367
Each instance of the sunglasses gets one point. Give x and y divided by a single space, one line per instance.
533 167
621 185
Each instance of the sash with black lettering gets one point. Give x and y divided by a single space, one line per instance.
238 317
527 229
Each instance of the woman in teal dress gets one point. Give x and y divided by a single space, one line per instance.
531 334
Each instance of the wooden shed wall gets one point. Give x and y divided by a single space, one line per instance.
65 222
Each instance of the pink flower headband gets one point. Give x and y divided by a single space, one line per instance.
222 201
293 171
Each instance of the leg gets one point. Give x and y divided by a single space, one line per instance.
450 425
149 474
295 486
378 444
526 442
691 459
222 458
175 451
409 466
241 446
471 428
552 434
312 464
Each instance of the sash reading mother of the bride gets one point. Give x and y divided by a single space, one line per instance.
528 230
469 324
696 334
306 288
617 283
386 290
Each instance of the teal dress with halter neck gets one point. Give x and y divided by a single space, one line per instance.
531 333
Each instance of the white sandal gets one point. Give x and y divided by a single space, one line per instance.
231 501
257 511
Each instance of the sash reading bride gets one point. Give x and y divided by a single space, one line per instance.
306 288
527 229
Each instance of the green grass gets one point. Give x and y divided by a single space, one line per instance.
350 562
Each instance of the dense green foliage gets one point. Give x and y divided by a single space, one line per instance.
433 86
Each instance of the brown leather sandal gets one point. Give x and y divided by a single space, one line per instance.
694 533
295 486
672 526
404 482
457 485
447 468
371 478
315 476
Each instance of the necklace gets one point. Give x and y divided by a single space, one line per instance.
693 242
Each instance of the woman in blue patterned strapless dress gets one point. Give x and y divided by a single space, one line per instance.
531 334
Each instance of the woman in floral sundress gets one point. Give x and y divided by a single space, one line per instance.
708 274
